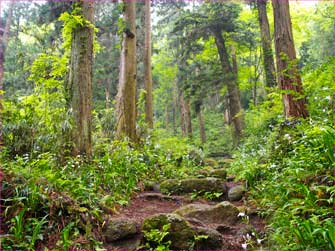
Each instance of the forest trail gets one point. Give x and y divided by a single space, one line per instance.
214 223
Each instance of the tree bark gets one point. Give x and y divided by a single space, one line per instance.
231 82
126 97
268 61
188 118
80 82
174 106
182 115
288 73
3 45
147 66
201 126
185 112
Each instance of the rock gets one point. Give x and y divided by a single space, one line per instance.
181 234
224 229
219 173
207 239
236 193
175 186
151 186
222 213
225 162
210 162
215 173
204 172
117 229
132 243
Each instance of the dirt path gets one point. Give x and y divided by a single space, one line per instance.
146 204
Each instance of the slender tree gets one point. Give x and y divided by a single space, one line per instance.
126 97
185 113
268 61
201 124
288 73
80 81
231 82
147 66
4 35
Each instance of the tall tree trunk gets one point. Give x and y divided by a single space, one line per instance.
140 43
201 126
288 73
3 45
80 82
268 62
185 113
147 66
182 115
231 82
175 104
188 118
126 97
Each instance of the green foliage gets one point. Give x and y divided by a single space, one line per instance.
318 83
72 22
155 238
291 179
65 234
39 192
37 122
207 195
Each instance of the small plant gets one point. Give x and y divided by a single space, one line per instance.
65 234
18 227
207 195
212 195
244 217
155 238
36 235
197 240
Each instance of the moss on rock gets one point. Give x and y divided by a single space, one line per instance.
117 229
222 213
236 193
181 234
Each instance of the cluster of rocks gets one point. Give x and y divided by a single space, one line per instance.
195 226
186 224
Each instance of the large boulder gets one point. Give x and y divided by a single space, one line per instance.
220 173
207 239
120 228
181 234
236 193
130 244
175 186
210 162
222 213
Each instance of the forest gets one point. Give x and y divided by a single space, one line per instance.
167 125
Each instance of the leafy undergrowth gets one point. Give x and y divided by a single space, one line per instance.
290 177
49 205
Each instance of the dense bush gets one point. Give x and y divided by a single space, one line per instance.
288 167
53 205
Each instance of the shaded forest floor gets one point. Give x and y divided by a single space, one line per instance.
146 204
